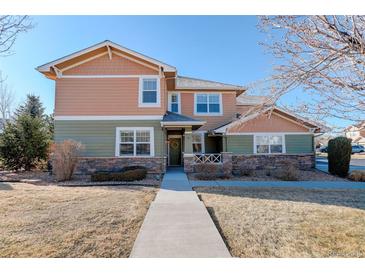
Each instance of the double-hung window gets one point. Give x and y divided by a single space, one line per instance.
208 104
149 92
174 102
134 142
198 142
267 144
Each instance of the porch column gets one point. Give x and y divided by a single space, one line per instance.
188 150
188 141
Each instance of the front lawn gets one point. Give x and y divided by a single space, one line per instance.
52 221
284 222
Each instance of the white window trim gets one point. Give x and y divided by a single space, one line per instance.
268 134
178 101
202 135
117 142
140 92
220 113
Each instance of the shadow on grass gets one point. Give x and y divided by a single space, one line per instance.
5 186
217 225
354 198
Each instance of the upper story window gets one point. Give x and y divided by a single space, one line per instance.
149 92
131 142
174 102
267 144
208 104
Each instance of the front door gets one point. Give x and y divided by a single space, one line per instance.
174 151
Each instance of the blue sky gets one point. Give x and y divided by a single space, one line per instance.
220 48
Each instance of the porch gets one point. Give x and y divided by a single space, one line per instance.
186 145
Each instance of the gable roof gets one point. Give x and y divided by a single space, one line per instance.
189 83
175 119
317 127
105 44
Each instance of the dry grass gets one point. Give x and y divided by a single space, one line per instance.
51 221
277 222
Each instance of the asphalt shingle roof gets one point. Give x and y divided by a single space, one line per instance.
174 117
183 82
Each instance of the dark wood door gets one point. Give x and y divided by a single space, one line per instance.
174 151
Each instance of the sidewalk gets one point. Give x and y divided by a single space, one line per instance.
178 225
301 184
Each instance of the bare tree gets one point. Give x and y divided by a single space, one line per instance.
323 55
10 27
6 101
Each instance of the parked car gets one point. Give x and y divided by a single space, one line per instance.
323 149
357 149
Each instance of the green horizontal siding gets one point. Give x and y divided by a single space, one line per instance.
299 143
98 137
240 144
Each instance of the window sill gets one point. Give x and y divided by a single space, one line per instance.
149 105
208 114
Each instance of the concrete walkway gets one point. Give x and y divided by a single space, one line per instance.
177 224
302 184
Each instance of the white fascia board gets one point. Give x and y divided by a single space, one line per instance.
46 67
183 123
108 118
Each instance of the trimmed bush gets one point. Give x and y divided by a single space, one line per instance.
339 156
131 174
65 158
357 175
289 172
208 171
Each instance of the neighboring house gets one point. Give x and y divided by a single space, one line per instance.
130 109
356 133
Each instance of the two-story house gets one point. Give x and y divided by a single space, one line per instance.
356 133
130 109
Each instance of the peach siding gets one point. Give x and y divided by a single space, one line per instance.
229 110
103 65
242 109
265 124
102 96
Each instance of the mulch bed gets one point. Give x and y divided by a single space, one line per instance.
38 177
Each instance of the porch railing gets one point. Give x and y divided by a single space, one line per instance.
202 158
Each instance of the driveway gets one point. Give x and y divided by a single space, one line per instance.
322 164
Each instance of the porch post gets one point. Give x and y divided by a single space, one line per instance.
188 141
188 150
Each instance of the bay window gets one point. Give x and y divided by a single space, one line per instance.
269 143
134 142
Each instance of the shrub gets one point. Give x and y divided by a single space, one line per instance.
339 156
208 171
65 158
246 172
131 174
357 175
24 143
287 173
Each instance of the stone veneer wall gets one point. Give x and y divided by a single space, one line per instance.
262 162
88 165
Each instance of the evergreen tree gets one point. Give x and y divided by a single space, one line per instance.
24 142
32 106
